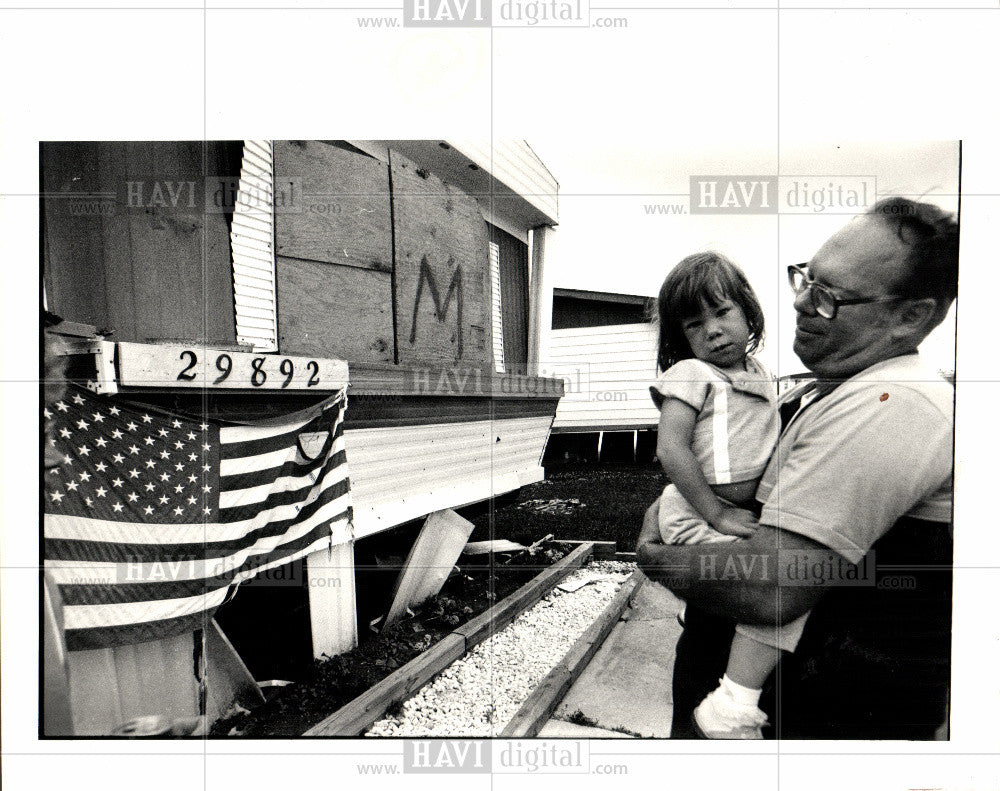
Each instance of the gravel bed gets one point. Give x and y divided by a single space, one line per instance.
478 694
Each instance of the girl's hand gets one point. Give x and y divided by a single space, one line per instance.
737 522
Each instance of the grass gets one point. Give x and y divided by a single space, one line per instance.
612 499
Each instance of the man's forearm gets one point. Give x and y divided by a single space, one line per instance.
739 579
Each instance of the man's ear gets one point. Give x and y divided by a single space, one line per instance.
918 316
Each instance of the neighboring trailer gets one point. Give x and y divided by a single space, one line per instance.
407 259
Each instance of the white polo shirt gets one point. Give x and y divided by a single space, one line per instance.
737 423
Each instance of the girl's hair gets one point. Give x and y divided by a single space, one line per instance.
703 278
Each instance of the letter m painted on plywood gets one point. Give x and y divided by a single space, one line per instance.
440 308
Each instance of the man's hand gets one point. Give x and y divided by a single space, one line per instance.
737 522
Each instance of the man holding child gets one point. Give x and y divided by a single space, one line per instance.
855 502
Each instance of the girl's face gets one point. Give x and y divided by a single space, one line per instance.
718 334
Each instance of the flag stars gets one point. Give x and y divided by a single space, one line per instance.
46 413
89 501
133 473
179 445
116 434
82 424
101 466
147 510
132 497
193 456
206 489
67 460
101 491
118 458
149 440
57 496
204 426
98 417
176 424
77 399
150 487
147 419
117 483
72 485
163 432
179 488
114 411
134 450
178 510
206 446
207 510
84 450
132 425
118 507
164 454
150 464
65 432
192 435
192 499
178 466
206 467
84 476
100 442
193 478
164 477
164 499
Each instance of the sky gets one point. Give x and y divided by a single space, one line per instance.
607 239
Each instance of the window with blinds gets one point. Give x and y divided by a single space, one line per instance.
252 238
496 308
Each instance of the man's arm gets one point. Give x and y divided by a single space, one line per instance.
745 580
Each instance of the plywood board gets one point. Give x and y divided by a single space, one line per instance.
334 311
430 560
442 288
342 213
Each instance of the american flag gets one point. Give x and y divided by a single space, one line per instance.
152 518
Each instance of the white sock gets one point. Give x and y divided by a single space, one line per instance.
743 695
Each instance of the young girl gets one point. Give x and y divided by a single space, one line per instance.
718 425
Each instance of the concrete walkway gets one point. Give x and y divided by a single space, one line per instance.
625 690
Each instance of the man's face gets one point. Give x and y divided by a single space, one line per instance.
864 259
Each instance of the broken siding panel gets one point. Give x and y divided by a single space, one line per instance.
442 290
608 371
252 240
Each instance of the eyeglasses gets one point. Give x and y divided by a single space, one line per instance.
824 302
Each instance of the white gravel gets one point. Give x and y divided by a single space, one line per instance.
478 694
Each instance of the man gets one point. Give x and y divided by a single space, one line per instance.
856 502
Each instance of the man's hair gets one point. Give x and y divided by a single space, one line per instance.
931 237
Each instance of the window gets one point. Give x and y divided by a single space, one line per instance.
495 308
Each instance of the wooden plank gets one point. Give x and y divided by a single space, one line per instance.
430 561
334 311
361 712
538 707
344 213
603 550
505 611
332 607
442 294
182 272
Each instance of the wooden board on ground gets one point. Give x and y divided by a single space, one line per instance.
540 704
430 560
489 547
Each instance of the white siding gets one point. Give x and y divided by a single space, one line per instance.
496 308
608 371
516 165
252 238
405 472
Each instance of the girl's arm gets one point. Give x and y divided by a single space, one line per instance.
673 449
